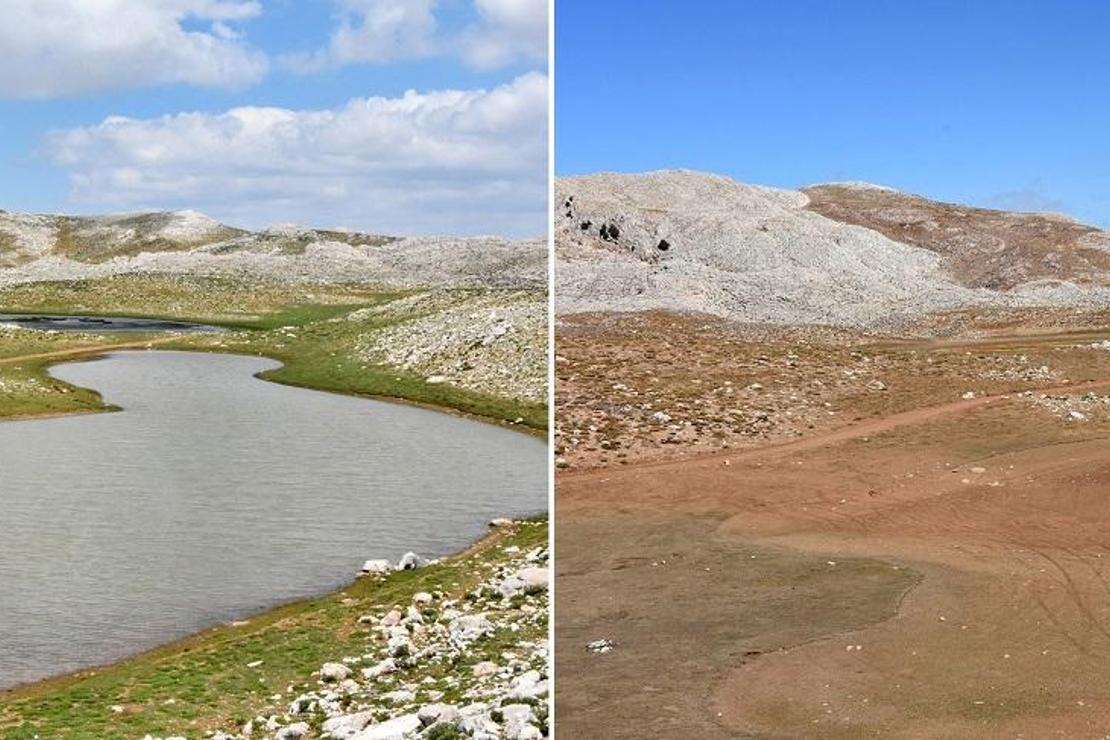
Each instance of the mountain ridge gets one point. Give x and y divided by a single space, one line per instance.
833 254
40 247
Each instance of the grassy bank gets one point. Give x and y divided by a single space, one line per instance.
323 337
221 678
224 677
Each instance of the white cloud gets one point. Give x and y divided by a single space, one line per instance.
66 47
376 31
453 161
507 30
379 31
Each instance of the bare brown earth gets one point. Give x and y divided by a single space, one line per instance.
983 248
917 565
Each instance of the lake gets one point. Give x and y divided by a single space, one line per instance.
214 494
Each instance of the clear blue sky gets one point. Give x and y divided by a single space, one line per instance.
331 161
1003 104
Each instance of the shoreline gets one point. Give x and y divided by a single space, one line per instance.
90 354
263 617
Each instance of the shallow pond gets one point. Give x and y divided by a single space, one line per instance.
214 494
98 324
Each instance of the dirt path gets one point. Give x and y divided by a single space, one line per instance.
855 430
940 572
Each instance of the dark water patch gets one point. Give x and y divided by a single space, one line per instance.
99 324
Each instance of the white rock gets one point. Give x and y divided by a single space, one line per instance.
474 720
380 567
399 646
334 672
485 668
348 725
519 722
410 561
386 666
394 729
535 579
437 713
469 627
293 732
400 696
528 685
302 704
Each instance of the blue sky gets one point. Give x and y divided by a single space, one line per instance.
1001 104
275 111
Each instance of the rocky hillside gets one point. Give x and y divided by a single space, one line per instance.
35 248
980 248
851 255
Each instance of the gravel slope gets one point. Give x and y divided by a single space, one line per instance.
698 242
35 248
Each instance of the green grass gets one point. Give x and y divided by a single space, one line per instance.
27 390
323 354
211 300
204 682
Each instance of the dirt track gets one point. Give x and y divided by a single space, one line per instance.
937 572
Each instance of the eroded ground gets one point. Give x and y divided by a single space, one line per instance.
658 385
930 560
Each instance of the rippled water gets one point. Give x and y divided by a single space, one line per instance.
214 494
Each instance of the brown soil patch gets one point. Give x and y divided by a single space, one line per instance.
932 570
983 248
637 387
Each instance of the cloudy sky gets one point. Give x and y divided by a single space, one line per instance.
394 116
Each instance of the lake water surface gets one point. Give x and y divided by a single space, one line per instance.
99 324
215 494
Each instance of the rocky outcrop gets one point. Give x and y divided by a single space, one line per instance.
847 255
35 248
435 668
979 247
492 342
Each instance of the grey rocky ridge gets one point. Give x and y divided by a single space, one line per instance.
36 247
850 255
474 309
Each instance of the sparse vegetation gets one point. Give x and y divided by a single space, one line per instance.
220 679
